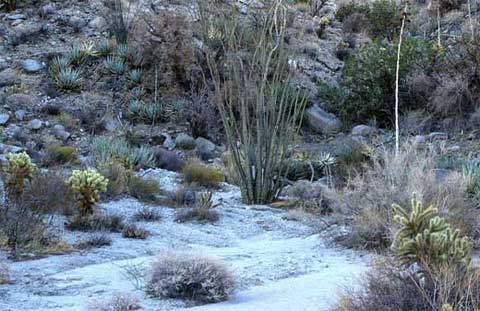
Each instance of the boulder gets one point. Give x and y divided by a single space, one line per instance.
205 148
9 77
185 141
321 121
4 117
32 65
364 130
35 124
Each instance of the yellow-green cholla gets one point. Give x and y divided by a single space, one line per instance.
18 169
87 185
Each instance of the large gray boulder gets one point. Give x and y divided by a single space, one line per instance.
321 121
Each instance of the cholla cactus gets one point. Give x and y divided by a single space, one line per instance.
87 185
424 238
18 169
324 22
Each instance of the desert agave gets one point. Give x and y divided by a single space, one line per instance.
123 51
104 48
114 65
68 79
136 59
137 92
136 76
154 111
87 49
57 64
205 201
74 55
327 161
136 108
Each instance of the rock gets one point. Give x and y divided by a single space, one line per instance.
19 100
20 115
419 140
60 132
364 130
99 23
4 117
110 125
205 148
321 121
13 130
168 142
77 23
25 32
14 17
32 65
46 10
185 141
437 136
9 77
35 124
9 149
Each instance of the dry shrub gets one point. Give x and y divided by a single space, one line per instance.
4 274
357 22
117 176
194 172
143 189
166 41
452 97
391 179
118 302
95 241
389 288
131 231
191 277
202 215
182 196
147 214
96 222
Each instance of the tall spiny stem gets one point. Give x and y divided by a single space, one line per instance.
397 127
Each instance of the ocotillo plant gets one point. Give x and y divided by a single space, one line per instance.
248 62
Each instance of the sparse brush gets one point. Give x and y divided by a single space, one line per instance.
96 222
202 175
190 277
95 241
147 214
143 189
114 65
87 186
118 302
131 231
68 79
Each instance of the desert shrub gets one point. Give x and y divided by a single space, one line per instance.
96 222
346 10
132 231
4 274
182 196
166 41
87 186
143 189
390 179
190 277
169 160
56 154
355 23
200 174
369 77
383 19
117 176
147 214
202 115
118 302
95 241
48 193
203 211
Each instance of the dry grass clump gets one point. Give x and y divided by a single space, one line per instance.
391 179
132 231
147 214
191 277
143 189
97 222
118 302
4 274
95 241
194 172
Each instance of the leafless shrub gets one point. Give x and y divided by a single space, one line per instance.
147 214
202 115
391 179
182 196
190 277
132 231
96 222
118 302
95 241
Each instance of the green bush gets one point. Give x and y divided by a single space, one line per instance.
369 81
346 10
56 154
383 19
202 175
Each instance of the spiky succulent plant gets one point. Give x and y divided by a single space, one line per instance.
74 55
68 79
136 59
137 92
136 76
87 49
104 48
105 150
114 65
18 169
87 186
57 64
122 51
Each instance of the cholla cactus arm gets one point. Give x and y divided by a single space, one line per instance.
18 169
422 239
87 185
